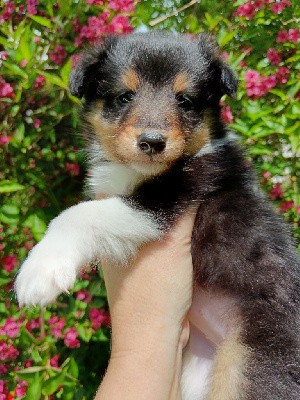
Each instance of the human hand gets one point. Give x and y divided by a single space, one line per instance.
148 304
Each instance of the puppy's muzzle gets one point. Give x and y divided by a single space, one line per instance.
151 143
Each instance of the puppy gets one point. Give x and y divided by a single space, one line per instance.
156 146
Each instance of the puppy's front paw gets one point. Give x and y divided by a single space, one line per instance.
46 273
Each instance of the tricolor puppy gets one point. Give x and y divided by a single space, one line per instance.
156 146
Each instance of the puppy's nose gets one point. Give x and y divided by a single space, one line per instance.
151 142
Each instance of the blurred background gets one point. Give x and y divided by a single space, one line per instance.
61 352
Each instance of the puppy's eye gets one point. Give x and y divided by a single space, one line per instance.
185 102
126 97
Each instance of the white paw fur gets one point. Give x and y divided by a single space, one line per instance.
105 229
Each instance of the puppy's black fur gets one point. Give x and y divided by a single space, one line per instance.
240 246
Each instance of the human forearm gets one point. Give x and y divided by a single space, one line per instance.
147 372
148 302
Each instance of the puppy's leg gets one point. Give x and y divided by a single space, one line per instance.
228 380
102 229
215 359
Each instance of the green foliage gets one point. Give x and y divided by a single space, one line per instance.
41 166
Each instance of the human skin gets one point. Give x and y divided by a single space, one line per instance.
149 302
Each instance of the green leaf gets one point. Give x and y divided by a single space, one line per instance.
9 214
19 31
52 384
52 78
16 70
85 333
34 388
5 42
37 226
260 150
24 44
19 133
4 281
225 37
41 20
65 71
294 89
35 355
7 186
64 7
279 93
212 21
73 368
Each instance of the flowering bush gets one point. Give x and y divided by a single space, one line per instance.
61 351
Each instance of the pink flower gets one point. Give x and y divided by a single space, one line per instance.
11 328
99 317
3 55
227 114
94 30
21 388
286 205
9 262
54 361
56 326
4 139
119 24
58 55
294 35
276 192
73 168
266 175
27 363
36 39
250 8
37 123
8 11
282 37
282 74
298 209
94 2
269 82
23 63
33 324
3 390
279 6
6 89
258 85
7 352
246 10
39 81
3 371
31 7
122 5
273 56
84 295
70 338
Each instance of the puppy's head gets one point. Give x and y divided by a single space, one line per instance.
152 98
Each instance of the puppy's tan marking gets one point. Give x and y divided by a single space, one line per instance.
228 381
200 138
181 82
104 131
130 79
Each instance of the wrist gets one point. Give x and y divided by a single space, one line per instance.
144 367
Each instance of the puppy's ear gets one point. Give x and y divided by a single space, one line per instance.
229 80
210 50
83 73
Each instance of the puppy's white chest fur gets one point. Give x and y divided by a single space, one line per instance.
109 178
